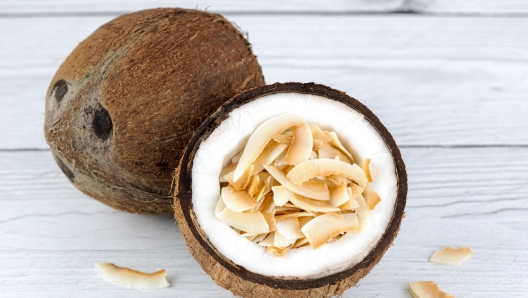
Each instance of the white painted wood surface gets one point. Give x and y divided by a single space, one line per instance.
431 80
452 89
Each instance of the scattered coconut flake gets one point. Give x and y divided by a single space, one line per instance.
261 137
372 199
248 222
312 193
339 195
241 183
268 155
321 229
354 190
237 200
326 151
133 279
336 143
451 256
289 228
301 146
427 289
317 133
325 167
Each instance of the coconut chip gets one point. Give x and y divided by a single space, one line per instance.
336 143
339 195
365 165
318 133
248 222
372 199
236 200
268 155
261 137
289 228
312 193
241 183
321 229
301 146
133 279
427 289
326 151
451 256
326 167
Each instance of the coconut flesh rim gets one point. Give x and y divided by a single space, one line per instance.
231 136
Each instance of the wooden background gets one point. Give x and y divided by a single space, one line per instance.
448 78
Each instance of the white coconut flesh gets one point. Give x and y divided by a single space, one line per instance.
355 134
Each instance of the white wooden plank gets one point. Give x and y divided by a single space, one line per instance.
51 234
431 80
482 7
104 6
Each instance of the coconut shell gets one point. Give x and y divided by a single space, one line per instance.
237 279
122 107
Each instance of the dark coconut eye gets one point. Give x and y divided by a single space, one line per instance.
61 88
102 123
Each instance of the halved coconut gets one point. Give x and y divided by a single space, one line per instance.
244 267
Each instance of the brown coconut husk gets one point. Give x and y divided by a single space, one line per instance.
122 107
237 279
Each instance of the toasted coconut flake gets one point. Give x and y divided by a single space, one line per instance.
336 143
296 215
304 220
326 151
365 165
314 155
300 243
451 256
326 167
282 241
241 183
323 228
311 205
253 185
269 216
427 289
268 241
220 206
248 222
301 146
362 211
268 155
317 133
260 237
236 158
317 143
237 200
354 190
280 195
312 191
339 195
372 199
265 188
278 251
281 159
349 205
267 204
261 137
289 228
133 279
335 181
287 169
226 170
283 139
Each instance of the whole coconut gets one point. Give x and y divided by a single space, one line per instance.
122 107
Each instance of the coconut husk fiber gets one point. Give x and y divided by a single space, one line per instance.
123 105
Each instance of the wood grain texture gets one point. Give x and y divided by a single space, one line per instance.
52 234
473 7
100 6
431 80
